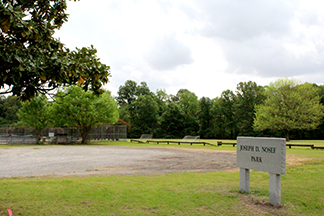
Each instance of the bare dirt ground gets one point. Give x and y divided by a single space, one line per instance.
108 160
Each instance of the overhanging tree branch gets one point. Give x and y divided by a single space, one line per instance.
32 59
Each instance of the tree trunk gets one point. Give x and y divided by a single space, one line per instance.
84 138
84 132
38 136
287 136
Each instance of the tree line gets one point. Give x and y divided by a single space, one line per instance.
284 108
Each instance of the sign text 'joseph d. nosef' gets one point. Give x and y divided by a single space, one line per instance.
263 154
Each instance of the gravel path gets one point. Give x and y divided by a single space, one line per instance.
107 160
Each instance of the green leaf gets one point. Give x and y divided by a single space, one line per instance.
43 77
6 25
24 34
5 78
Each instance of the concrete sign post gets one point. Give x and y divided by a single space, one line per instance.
262 154
244 180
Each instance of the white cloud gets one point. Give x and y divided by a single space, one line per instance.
265 38
243 20
168 53
204 46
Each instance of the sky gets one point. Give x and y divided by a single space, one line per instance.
203 46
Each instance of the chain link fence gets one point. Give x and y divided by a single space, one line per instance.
21 135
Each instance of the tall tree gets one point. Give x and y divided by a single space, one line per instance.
318 133
205 118
172 122
289 105
145 116
32 61
76 108
227 108
127 96
217 123
143 89
35 114
129 92
162 99
248 95
189 104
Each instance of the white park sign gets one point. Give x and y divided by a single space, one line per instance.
262 154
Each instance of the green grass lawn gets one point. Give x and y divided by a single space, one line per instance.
190 193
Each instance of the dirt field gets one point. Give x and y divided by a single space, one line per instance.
107 160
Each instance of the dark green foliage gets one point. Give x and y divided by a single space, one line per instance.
9 107
135 102
248 94
128 93
172 122
189 105
161 98
217 120
144 116
226 115
205 118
